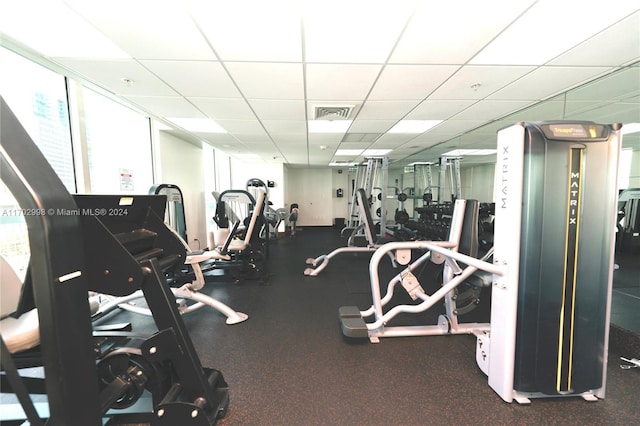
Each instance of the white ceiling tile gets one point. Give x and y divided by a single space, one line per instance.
289 138
109 74
457 126
254 140
340 81
205 78
354 145
489 110
490 79
371 126
392 140
258 31
218 109
397 82
547 81
386 110
614 46
549 110
278 109
617 85
329 139
147 29
439 109
242 126
268 80
284 127
166 106
517 46
452 32
53 29
353 31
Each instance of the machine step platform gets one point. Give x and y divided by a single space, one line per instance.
352 324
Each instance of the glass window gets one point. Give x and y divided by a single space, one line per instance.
38 98
118 144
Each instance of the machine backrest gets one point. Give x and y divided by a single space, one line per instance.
365 215
469 241
257 212
10 288
227 242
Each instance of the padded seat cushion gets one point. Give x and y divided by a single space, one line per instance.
22 333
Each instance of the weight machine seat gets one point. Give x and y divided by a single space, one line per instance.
241 245
22 333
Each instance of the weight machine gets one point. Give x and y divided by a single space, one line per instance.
373 171
552 269
88 376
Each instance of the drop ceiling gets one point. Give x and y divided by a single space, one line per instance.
260 69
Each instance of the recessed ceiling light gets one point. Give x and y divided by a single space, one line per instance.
462 152
348 152
199 125
368 152
343 164
413 126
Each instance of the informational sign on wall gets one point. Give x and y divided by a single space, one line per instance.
126 180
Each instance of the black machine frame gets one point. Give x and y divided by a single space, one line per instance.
75 250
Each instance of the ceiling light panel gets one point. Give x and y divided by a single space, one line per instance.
375 152
340 81
451 32
348 152
54 30
360 31
463 152
558 27
251 30
205 78
147 29
268 80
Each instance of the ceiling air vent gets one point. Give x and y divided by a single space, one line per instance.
331 113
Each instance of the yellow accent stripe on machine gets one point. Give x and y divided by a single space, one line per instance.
567 313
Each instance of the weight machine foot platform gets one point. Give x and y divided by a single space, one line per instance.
352 323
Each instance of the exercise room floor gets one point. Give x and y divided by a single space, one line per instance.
290 365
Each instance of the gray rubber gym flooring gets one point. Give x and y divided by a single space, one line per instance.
290 365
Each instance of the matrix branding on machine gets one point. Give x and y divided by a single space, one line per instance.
567 309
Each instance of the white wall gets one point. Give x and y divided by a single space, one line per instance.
180 163
634 175
477 182
312 189
243 170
